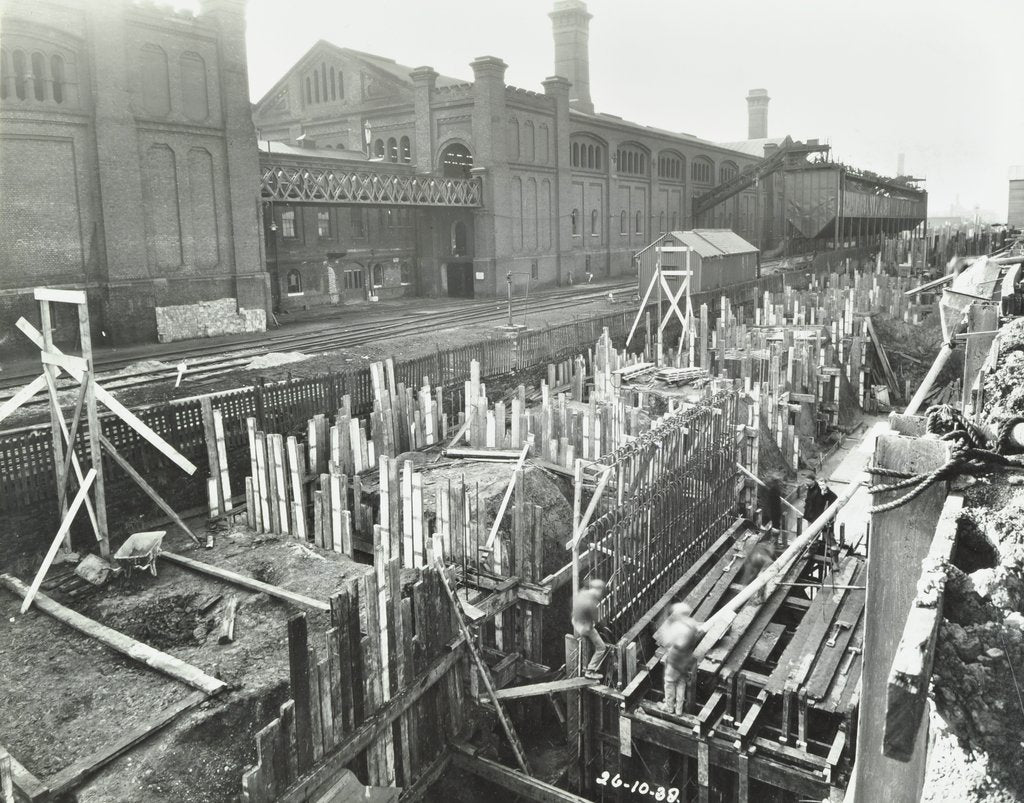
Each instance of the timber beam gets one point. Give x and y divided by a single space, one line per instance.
720 753
464 757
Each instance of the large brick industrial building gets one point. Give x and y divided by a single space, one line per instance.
127 162
130 166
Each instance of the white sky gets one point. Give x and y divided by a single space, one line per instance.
939 81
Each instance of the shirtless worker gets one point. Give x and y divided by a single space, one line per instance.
679 634
585 618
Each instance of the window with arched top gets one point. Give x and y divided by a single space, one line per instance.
341 85
58 77
456 161
334 86
20 71
378 149
341 146
294 283
406 150
378 275
675 221
727 172
623 223
575 154
639 222
316 86
574 218
39 76
392 149
594 223
4 73
670 166
702 170
661 223
309 90
590 156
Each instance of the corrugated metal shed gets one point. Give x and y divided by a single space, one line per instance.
715 242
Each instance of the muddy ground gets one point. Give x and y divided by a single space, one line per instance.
979 660
89 695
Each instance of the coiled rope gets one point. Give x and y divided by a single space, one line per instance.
972 452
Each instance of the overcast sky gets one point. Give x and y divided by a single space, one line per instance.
939 81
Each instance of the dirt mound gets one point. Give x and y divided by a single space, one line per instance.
164 623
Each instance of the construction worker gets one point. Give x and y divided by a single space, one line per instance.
679 635
758 558
819 497
585 619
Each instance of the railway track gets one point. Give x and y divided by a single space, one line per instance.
206 361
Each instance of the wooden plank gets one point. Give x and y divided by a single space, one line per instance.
298 665
372 728
534 689
128 469
514 782
65 527
25 785
71 777
246 582
60 296
507 497
68 362
126 645
31 389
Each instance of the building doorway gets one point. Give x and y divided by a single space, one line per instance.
459 277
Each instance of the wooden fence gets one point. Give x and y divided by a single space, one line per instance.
27 480
381 696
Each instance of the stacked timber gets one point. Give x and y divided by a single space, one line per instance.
365 693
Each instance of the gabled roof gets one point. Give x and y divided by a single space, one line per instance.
752 147
386 65
714 242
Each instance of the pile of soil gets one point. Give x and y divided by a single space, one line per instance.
911 349
978 675
165 622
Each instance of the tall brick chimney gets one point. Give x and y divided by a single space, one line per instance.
757 114
571 23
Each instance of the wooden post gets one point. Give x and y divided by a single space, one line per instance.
894 563
95 430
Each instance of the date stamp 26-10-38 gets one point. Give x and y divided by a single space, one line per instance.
669 794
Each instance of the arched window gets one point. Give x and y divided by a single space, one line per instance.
341 85
459 241
661 223
590 156
456 161
378 149
575 218
19 74
597 158
575 154
334 87
4 73
309 90
341 146
702 170
675 221
727 172
623 225
323 80
594 231
406 150
639 222
39 75
392 149
378 275
294 283
57 74
316 86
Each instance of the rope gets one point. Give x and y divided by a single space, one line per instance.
971 453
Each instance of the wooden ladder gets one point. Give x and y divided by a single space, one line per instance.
506 723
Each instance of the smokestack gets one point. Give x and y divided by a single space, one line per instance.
571 24
757 114
900 167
